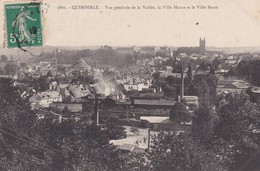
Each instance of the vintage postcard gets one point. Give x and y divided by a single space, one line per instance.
127 85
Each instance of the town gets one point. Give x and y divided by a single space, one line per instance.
152 104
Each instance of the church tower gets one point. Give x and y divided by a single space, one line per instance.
54 59
202 46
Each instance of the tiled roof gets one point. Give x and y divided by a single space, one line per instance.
155 119
127 147
154 102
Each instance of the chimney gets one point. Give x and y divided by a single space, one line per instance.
182 87
96 117
149 132
132 101
59 118
182 82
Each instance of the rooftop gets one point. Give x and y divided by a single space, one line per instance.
156 119
80 63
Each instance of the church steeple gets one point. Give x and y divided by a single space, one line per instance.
202 46
54 59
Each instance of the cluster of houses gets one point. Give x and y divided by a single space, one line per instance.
150 107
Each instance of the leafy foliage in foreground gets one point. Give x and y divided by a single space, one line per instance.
223 140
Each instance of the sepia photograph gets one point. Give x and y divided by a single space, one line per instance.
126 85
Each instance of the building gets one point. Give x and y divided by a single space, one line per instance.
201 49
168 69
164 123
202 46
232 86
192 101
142 106
130 148
78 91
232 60
80 67
73 107
138 87
47 68
44 99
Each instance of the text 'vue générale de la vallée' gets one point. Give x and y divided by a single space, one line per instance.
137 7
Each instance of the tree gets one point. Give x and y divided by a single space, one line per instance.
180 113
169 91
10 68
43 83
180 152
29 143
135 161
254 69
19 150
192 90
212 69
189 74
171 80
243 69
202 88
212 81
253 96
204 66
206 87
24 65
4 58
238 120
246 69
80 145
66 111
113 129
158 81
216 62
203 124
225 152
2 71
156 75
129 59
49 74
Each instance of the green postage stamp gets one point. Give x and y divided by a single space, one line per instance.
23 25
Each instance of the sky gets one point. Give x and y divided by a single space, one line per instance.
235 23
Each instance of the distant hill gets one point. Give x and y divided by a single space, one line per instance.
79 51
229 50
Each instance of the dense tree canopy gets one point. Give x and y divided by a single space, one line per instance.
221 139
10 68
239 121
180 113
171 151
30 143
4 58
248 70
205 86
105 56
203 124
